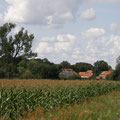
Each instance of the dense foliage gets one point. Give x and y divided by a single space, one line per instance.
13 48
14 101
73 77
37 68
82 67
116 73
100 66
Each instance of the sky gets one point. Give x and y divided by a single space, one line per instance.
68 30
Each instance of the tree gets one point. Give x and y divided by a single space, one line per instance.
14 48
82 67
49 71
100 66
116 75
117 72
63 65
33 65
118 60
34 69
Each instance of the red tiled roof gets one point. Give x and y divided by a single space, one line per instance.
68 69
98 77
89 73
106 72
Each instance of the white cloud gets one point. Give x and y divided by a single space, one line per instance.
48 39
113 28
44 48
57 48
102 48
17 11
49 13
65 42
58 44
67 47
44 12
49 20
106 0
115 50
82 55
89 14
93 32
67 16
1 18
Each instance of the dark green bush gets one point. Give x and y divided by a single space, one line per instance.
73 77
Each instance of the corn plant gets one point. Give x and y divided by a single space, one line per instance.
14 101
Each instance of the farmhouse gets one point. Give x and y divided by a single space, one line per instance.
67 73
104 74
87 74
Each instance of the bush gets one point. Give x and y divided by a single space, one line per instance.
28 74
118 78
115 75
73 77
110 77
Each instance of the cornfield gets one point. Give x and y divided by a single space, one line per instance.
15 101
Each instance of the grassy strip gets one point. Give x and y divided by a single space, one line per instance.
15 101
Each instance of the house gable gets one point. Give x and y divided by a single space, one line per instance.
87 74
67 73
104 74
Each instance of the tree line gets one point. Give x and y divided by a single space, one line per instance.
18 61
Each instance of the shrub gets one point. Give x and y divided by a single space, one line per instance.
27 74
73 77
